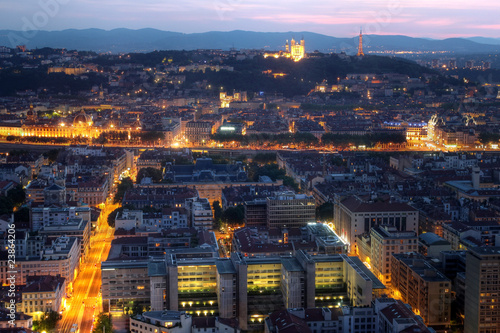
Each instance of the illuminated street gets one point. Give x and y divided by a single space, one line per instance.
86 299
333 175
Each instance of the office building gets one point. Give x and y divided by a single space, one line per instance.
242 288
289 210
353 217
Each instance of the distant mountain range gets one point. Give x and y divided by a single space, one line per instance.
145 40
485 40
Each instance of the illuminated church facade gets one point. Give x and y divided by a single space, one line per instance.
293 50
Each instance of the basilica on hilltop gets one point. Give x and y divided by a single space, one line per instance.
293 50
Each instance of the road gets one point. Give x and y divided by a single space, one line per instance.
86 301
6 147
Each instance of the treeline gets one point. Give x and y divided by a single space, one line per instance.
13 80
151 59
37 139
331 107
273 171
301 77
489 137
284 138
155 174
120 136
105 137
368 140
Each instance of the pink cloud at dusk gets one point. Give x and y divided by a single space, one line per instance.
417 18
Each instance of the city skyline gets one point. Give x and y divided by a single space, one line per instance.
177 167
428 19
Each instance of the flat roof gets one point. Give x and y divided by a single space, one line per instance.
123 264
157 268
356 263
163 315
225 266
291 264
486 250
430 238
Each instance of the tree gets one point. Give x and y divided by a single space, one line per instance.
273 171
18 152
17 195
47 322
104 324
137 309
217 210
234 215
217 223
112 216
52 155
155 174
22 215
304 138
151 136
368 140
290 182
265 158
6 205
325 211
489 137
125 185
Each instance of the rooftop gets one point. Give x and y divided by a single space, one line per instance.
430 238
358 206
157 268
291 264
225 266
486 250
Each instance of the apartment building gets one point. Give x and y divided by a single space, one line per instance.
423 287
42 294
482 292
61 258
385 241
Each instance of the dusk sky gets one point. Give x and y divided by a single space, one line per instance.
418 18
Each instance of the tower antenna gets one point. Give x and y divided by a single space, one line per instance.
360 47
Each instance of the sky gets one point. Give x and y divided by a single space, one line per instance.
416 18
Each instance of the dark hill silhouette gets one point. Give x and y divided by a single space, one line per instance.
145 40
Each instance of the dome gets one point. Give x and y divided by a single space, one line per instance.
82 119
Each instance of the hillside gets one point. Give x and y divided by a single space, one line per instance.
145 40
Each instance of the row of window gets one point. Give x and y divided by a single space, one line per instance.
36 303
